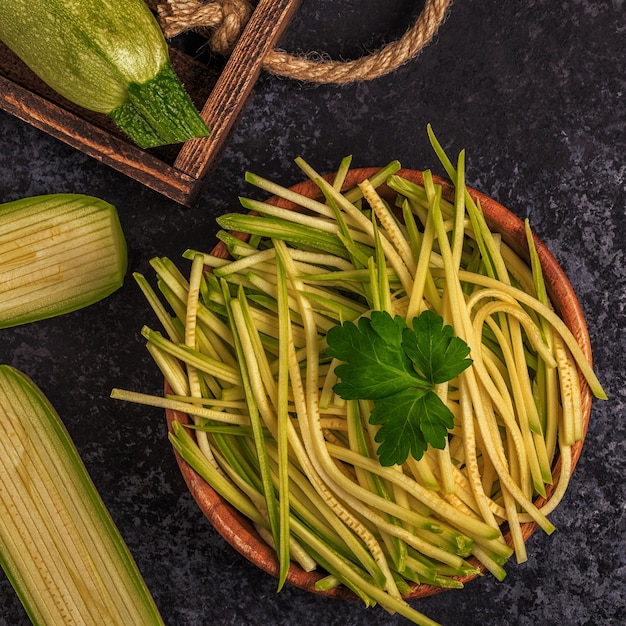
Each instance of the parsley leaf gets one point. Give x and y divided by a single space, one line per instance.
397 367
433 348
374 367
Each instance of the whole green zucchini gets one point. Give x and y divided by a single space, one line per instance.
108 56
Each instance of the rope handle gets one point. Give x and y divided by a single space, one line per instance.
223 21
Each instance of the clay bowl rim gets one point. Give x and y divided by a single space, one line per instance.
240 533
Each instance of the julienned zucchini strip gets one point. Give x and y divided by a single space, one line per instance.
59 546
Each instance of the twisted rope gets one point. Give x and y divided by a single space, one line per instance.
221 21
226 20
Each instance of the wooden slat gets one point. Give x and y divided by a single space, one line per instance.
235 84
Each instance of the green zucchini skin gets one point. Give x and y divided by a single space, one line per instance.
93 52
59 546
58 253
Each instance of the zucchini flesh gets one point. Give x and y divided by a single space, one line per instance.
58 253
59 546
105 56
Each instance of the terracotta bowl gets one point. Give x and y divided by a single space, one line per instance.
237 530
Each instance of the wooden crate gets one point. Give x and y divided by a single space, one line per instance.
220 93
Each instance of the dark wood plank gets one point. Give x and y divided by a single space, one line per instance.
100 144
235 84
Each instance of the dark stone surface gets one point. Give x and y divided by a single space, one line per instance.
534 91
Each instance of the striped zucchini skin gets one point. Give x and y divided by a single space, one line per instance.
100 54
58 253
59 546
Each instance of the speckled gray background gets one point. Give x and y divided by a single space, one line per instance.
534 91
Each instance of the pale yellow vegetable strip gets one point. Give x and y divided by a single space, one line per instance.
552 318
512 518
184 407
382 276
570 394
273 188
327 393
542 457
260 395
179 288
458 230
264 384
444 462
197 267
342 172
497 570
470 524
470 399
550 400
532 414
253 260
312 435
422 473
388 222
349 527
208 259
469 447
325 223
171 369
374 297
283 419
162 315
416 302
188 355
190 319
395 260
320 259
416 238
529 456
519 270
213 402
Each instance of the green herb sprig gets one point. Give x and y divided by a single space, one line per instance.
398 367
